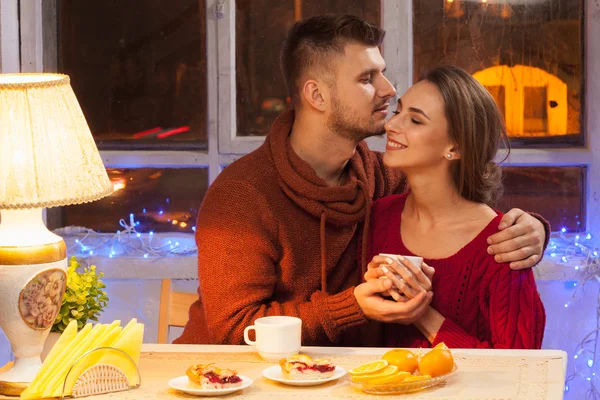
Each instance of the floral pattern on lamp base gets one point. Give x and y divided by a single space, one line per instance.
41 298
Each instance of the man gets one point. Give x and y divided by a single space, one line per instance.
279 230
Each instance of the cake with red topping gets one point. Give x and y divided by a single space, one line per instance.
209 376
303 367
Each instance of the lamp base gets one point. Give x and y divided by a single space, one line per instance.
23 370
32 285
12 388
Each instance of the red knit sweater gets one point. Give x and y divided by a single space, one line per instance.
486 304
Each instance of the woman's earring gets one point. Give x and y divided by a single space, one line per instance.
449 156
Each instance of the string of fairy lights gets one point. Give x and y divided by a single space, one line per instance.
124 242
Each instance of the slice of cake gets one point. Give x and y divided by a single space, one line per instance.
303 367
209 376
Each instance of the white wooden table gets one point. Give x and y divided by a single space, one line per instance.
481 374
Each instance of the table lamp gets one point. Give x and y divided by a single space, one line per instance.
48 158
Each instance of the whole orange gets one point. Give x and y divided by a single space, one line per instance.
405 360
438 361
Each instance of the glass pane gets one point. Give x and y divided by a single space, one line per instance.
554 192
261 26
138 68
161 200
527 53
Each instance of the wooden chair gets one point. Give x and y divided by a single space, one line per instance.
174 308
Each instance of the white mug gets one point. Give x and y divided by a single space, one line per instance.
416 261
276 337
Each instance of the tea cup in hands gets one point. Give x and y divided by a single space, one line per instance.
409 274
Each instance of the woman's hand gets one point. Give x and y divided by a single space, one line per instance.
407 279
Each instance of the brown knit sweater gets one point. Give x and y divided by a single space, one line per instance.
274 239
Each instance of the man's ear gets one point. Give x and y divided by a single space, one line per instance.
312 91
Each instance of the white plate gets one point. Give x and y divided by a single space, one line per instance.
182 383
274 373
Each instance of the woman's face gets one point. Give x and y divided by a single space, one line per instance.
417 134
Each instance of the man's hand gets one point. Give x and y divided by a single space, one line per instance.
375 307
520 240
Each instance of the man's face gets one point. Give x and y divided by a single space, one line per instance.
360 98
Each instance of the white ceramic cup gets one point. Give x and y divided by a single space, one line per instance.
276 337
416 261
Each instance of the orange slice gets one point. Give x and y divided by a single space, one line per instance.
369 368
415 378
387 371
398 377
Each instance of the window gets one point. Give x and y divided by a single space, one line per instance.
260 27
528 54
138 69
220 63
533 49
159 199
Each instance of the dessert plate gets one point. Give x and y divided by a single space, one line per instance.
182 383
274 373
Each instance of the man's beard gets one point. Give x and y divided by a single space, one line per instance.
348 125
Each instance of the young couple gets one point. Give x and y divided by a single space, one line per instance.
281 231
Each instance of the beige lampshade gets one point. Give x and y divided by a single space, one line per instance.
48 157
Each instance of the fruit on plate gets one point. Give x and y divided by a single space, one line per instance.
404 359
403 366
438 361
387 371
369 368
393 379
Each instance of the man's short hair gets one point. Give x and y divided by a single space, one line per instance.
311 43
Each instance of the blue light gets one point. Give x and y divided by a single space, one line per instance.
566 305
566 388
595 254
151 233
76 240
167 199
576 237
160 212
564 259
91 252
146 255
144 210
590 363
589 236
176 243
575 356
194 228
131 215
577 268
110 255
552 254
138 234
137 223
563 230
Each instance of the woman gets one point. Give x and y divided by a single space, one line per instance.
444 136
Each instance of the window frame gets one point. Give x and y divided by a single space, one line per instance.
35 28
